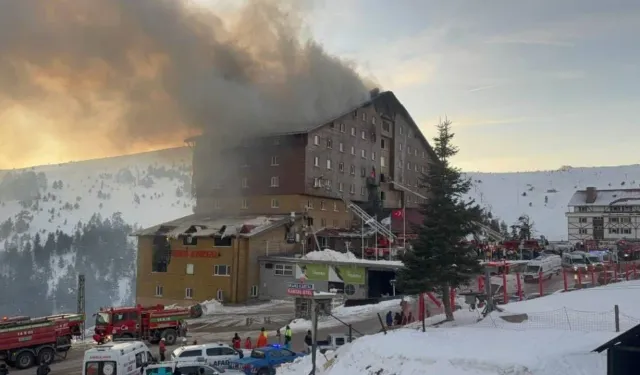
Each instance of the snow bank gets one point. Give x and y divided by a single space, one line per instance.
211 307
465 351
337 256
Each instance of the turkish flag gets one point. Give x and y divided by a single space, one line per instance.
397 214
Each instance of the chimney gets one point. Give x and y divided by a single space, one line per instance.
375 92
592 194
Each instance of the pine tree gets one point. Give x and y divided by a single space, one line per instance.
441 258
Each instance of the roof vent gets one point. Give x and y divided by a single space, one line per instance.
592 194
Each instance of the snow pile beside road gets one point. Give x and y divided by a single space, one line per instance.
330 255
211 307
466 351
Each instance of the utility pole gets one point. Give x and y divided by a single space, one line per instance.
314 334
487 289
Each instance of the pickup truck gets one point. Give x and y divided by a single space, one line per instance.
264 361
332 342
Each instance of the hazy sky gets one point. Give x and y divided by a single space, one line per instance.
527 84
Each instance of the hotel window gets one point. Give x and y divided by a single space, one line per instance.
583 219
323 206
226 241
340 186
341 147
352 189
245 204
254 291
189 241
316 161
323 224
363 153
159 290
342 128
415 152
189 269
352 170
409 165
363 134
373 120
328 185
245 182
329 143
316 140
341 167
188 293
626 231
408 149
274 161
400 146
363 191
353 150
364 116
275 181
221 270
310 205
386 126
373 156
383 161
283 270
363 172
328 163
400 129
415 167
582 231
353 132
335 207
275 203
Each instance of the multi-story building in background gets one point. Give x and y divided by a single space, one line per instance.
604 215
304 179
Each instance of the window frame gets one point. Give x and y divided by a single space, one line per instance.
286 269
216 270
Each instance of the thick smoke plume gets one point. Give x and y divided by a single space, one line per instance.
89 78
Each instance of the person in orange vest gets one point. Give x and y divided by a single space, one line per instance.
247 343
262 339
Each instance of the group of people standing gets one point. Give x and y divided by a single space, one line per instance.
263 339
398 319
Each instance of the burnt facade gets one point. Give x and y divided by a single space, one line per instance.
317 167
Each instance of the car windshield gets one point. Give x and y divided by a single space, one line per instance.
102 318
160 371
594 259
258 354
578 260
532 269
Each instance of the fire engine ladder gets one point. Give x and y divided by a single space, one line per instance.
368 220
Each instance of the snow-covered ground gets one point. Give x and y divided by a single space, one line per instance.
465 347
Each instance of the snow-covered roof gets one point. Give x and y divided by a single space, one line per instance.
207 226
333 257
620 197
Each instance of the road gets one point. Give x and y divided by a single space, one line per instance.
73 364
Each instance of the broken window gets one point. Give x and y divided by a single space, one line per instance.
160 254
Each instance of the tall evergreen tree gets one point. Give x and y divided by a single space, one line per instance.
441 258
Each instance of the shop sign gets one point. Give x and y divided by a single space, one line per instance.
195 254
300 289
315 272
351 275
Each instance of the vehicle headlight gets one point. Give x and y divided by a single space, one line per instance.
108 368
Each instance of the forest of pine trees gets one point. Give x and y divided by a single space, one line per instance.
100 248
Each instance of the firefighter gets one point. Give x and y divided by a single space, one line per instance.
43 369
162 349
3 369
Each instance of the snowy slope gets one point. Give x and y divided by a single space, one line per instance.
510 195
107 186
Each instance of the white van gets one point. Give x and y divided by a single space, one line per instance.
574 261
121 358
548 265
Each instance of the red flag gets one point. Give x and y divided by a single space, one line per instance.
397 214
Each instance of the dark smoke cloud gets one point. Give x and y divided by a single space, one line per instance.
82 78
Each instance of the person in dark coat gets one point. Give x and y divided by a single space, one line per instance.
308 341
236 341
398 319
389 319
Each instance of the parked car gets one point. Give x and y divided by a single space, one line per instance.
263 361
333 342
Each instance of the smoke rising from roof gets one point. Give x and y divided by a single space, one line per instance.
89 78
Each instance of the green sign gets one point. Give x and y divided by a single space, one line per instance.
315 272
351 275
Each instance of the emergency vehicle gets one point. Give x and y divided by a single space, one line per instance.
25 341
213 354
151 323
119 358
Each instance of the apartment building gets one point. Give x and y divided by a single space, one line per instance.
603 215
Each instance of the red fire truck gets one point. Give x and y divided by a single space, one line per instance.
25 341
150 323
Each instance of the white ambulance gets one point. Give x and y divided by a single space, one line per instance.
118 358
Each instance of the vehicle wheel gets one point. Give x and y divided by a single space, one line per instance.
45 355
25 360
263 371
169 336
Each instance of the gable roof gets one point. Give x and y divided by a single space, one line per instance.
632 334
608 197
386 103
